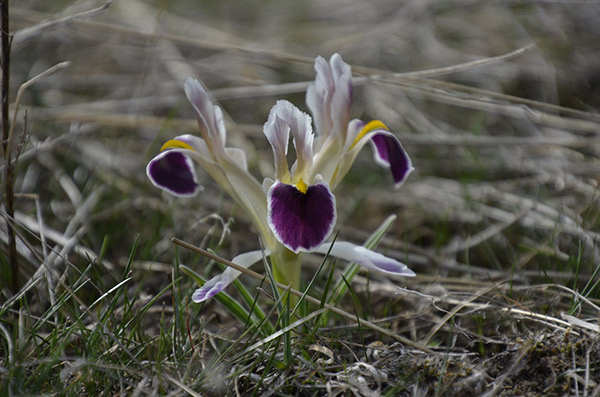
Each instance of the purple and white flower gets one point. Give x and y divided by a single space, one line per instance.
296 211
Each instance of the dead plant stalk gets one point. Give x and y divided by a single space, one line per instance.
9 170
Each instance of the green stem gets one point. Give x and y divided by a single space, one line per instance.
286 270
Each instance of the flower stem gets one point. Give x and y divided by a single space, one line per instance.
286 270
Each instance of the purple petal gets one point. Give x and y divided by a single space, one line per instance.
365 257
390 153
301 221
174 172
210 289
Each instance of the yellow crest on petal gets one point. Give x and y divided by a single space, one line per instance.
175 144
302 186
370 126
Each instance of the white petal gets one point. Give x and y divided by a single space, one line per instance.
196 143
267 183
238 156
329 98
318 97
220 282
220 123
300 126
278 135
210 117
341 99
248 193
365 257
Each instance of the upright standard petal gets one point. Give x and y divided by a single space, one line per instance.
329 98
300 126
173 172
301 216
277 132
365 257
341 101
210 117
220 282
318 96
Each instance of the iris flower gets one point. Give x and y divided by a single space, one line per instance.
295 212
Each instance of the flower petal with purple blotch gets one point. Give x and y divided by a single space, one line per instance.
210 289
301 217
387 149
365 257
174 172
390 153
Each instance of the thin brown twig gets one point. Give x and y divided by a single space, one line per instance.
310 299
7 138
10 163
9 171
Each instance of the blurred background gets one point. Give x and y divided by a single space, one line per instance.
489 141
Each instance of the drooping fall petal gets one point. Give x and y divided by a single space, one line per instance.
365 257
301 217
174 172
388 152
220 282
